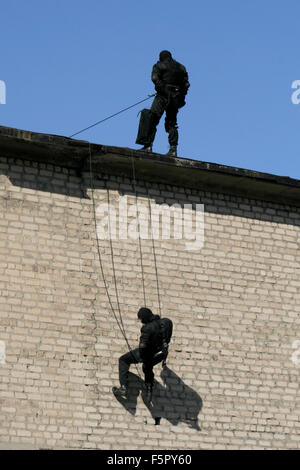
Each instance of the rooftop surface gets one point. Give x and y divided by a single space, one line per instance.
152 167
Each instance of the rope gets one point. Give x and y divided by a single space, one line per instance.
113 261
154 254
120 320
119 323
152 238
98 247
111 116
140 245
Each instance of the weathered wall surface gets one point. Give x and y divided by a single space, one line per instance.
230 381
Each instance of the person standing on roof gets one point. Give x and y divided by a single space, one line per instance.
153 348
171 83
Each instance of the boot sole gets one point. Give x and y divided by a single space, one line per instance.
117 392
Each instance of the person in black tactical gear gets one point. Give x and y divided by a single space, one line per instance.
171 84
153 348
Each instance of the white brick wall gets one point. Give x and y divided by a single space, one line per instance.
231 383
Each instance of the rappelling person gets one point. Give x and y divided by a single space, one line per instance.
171 83
154 341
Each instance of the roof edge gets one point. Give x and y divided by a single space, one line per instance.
152 167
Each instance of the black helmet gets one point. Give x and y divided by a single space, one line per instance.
165 55
145 314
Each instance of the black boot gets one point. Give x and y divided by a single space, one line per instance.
149 389
173 151
147 148
120 391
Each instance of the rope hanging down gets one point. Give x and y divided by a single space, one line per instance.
120 323
154 254
139 232
120 320
152 238
113 115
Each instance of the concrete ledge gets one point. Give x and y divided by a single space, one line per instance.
183 172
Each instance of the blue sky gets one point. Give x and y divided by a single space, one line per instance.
67 64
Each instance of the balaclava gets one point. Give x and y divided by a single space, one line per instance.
145 315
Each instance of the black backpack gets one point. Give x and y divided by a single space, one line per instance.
145 127
161 335
166 326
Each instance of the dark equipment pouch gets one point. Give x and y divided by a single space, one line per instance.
180 101
176 99
145 127
166 327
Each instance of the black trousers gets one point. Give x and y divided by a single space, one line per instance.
133 357
160 105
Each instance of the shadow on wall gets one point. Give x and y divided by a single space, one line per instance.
74 183
173 401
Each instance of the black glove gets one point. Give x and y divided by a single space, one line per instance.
160 87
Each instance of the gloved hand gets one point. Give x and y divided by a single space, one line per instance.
160 87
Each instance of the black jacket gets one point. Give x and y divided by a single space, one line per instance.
170 72
151 338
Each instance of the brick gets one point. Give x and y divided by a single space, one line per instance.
234 303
